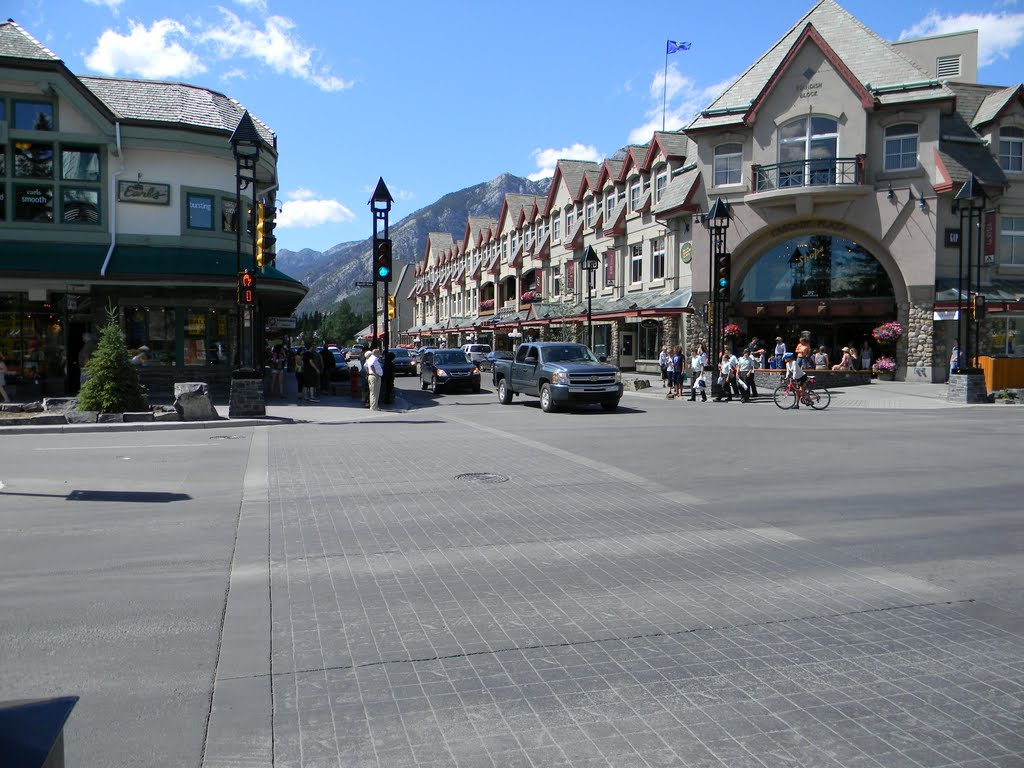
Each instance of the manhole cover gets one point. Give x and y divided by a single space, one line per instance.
226 437
482 477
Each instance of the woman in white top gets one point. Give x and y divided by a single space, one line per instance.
697 383
663 364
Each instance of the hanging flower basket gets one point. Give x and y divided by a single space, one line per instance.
732 330
888 331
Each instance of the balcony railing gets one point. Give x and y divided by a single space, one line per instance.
837 171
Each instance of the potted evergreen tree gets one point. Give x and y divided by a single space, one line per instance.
112 384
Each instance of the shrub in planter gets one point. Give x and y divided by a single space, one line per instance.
113 384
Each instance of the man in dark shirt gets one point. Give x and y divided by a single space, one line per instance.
327 369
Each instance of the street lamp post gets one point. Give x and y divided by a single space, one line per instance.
380 207
716 221
590 264
970 200
245 146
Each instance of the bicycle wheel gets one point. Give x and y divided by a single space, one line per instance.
819 397
784 397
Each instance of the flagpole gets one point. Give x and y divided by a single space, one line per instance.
664 91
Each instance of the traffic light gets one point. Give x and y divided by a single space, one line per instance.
382 261
391 307
723 275
246 287
266 242
978 307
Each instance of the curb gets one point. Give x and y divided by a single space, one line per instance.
138 426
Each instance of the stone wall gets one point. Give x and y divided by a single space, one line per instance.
769 379
916 348
159 381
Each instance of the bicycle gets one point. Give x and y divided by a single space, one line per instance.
814 395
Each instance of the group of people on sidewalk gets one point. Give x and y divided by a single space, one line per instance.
735 375
314 372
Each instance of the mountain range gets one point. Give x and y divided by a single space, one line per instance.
331 275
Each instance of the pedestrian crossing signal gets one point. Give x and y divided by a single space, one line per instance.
246 288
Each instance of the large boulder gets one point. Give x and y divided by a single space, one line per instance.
192 401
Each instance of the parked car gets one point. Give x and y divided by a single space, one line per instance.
405 363
487 364
445 369
476 352
354 353
340 372
559 373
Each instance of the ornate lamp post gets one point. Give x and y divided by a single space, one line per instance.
716 221
970 200
245 146
590 264
380 207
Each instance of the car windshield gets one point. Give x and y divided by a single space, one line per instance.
569 353
400 352
450 356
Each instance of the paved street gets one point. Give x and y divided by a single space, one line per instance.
457 583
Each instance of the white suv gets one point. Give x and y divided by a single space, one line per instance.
476 352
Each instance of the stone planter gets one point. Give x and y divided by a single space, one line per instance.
885 375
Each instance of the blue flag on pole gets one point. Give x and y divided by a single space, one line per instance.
674 47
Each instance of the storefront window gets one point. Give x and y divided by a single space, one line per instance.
1000 335
229 215
32 342
602 340
816 267
650 341
33 161
33 203
152 327
33 116
200 211
80 164
81 206
208 335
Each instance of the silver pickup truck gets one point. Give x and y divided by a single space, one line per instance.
560 374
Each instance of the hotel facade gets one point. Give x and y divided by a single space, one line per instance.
839 154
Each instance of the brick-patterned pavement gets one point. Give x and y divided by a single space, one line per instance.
567 618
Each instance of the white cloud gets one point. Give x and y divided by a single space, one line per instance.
275 45
113 5
546 159
260 6
684 99
404 194
998 33
303 210
149 53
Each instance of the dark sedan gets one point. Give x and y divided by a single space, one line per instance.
487 364
405 363
445 369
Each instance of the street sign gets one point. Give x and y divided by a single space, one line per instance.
363 284
281 323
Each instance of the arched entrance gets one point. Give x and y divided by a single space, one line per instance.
824 283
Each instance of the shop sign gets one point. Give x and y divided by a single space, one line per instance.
649 322
952 238
143 192
281 323
988 239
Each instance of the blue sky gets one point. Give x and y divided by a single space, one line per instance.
436 97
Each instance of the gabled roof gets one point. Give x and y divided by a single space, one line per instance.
512 209
996 102
672 145
679 193
869 61
16 43
635 156
610 171
961 149
591 181
617 226
475 227
572 174
437 243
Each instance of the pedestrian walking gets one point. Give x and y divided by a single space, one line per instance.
697 382
278 362
670 374
745 376
954 358
663 365
328 364
374 372
727 378
3 380
311 366
865 356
